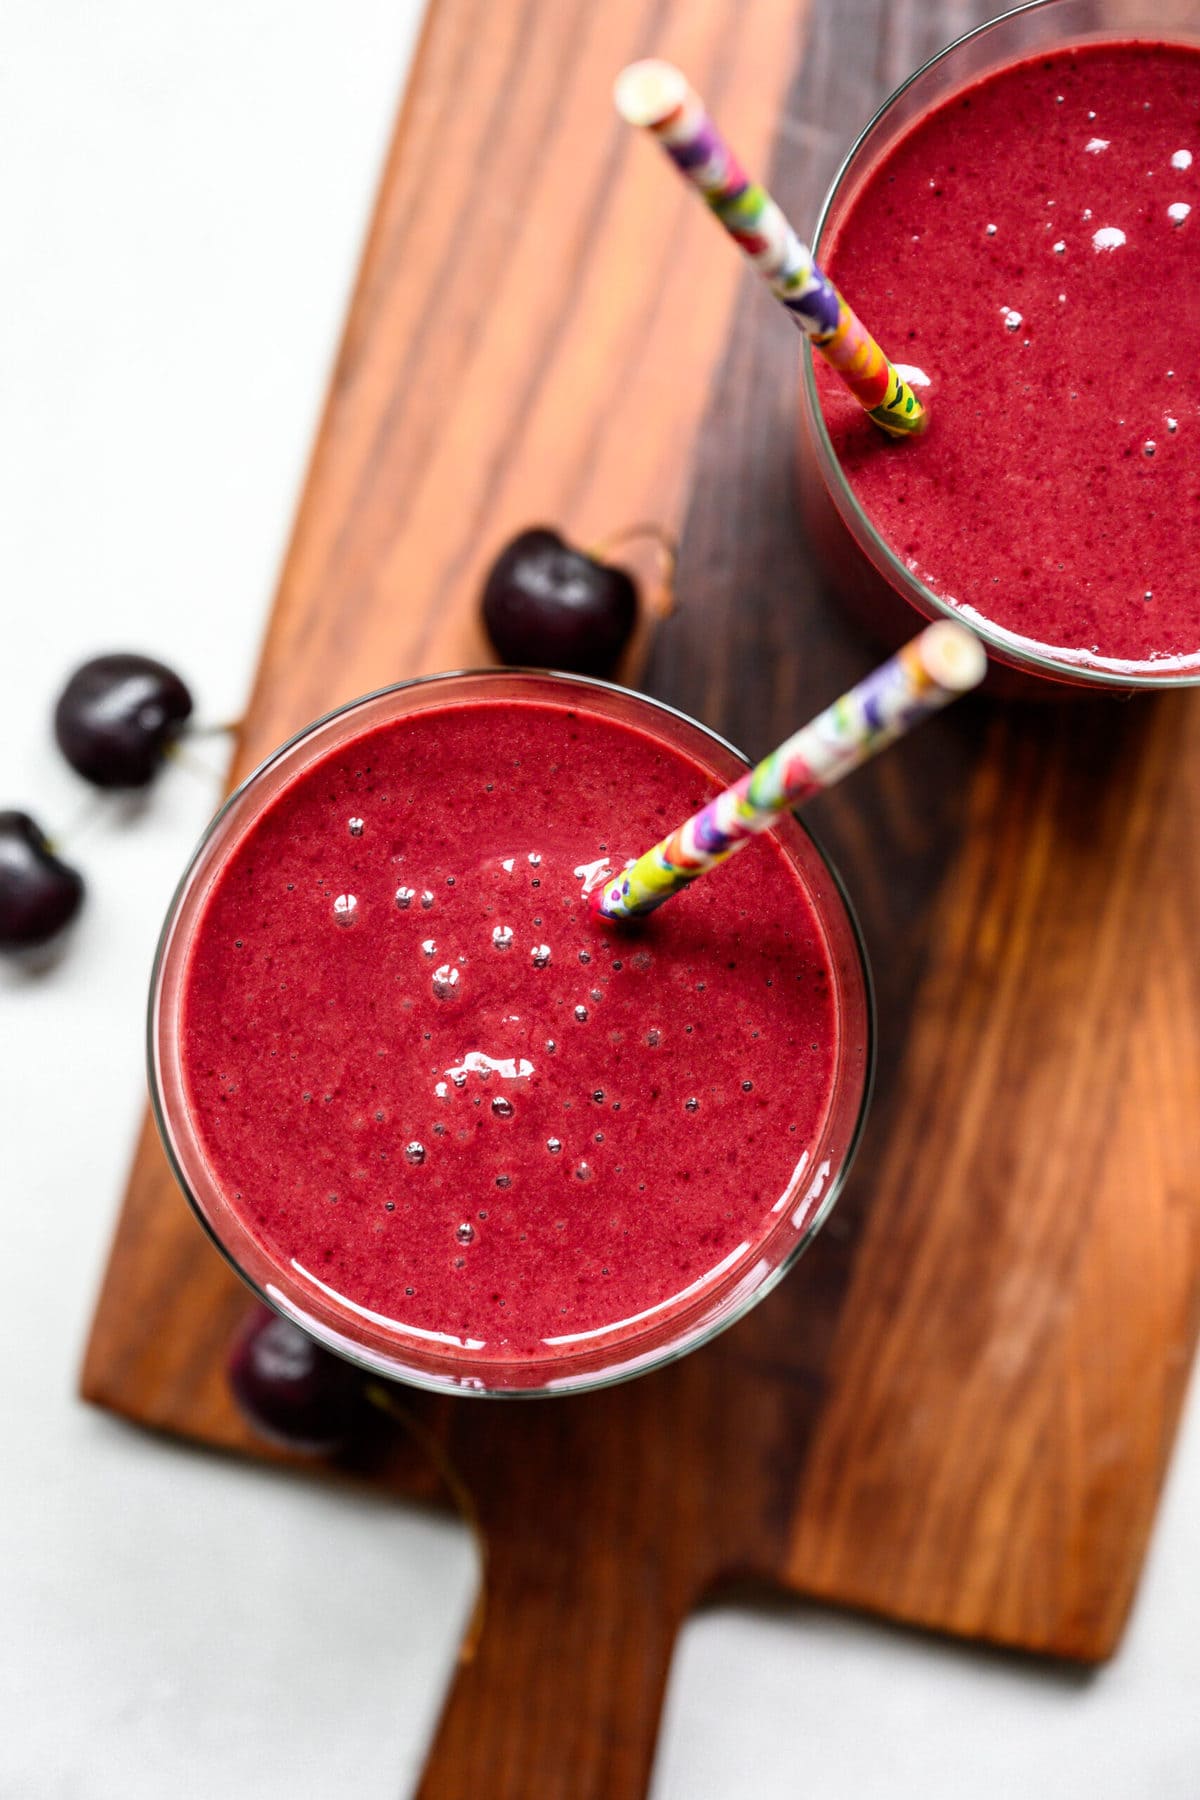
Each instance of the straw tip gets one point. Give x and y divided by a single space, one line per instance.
953 656
645 93
596 907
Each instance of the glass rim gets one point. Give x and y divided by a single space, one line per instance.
396 1370
1007 646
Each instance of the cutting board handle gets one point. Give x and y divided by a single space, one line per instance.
559 1693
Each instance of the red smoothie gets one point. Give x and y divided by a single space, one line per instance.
1030 245
439 1097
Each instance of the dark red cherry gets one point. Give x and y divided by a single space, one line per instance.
39 895
117 717
554 607
290 1389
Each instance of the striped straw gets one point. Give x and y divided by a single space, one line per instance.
657 96
943 662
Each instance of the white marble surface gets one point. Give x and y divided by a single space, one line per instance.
182 195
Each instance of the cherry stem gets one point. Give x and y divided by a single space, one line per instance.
668 556
458 1491
227 728
176 753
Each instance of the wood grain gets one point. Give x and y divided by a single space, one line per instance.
958 1410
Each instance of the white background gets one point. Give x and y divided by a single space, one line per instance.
183 191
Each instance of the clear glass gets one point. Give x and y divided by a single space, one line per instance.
386 1349
860 565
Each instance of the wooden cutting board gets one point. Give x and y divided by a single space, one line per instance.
958 1410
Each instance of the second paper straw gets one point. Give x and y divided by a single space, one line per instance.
658 96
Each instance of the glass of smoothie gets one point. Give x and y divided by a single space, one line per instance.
1020 226
443 1119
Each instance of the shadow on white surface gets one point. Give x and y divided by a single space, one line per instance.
198 1627
783 1701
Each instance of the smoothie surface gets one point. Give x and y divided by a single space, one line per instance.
1031 246
434 1088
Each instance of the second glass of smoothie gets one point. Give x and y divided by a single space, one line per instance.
437 1114
1018 226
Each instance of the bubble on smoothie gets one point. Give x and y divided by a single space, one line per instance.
355 827
583 1171
502 1108
429 947
581 1014
445 980
692 1105
345 907
535 860
465 1233
540 955
592 873
1095 145
405 897
502 937
551 1046
1182 159
1012 318
502 1181
427 899
1149 447
1059 248
916 378
554 1145
1172 424
1109 237
991 230
477 1062
415 1152
585 956
1178 211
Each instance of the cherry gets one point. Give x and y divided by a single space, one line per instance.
554 607
117 716
39 895
290 1389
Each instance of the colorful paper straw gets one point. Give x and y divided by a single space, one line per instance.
657 96
944 661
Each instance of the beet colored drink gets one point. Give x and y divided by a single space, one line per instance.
1019 225
439 1115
